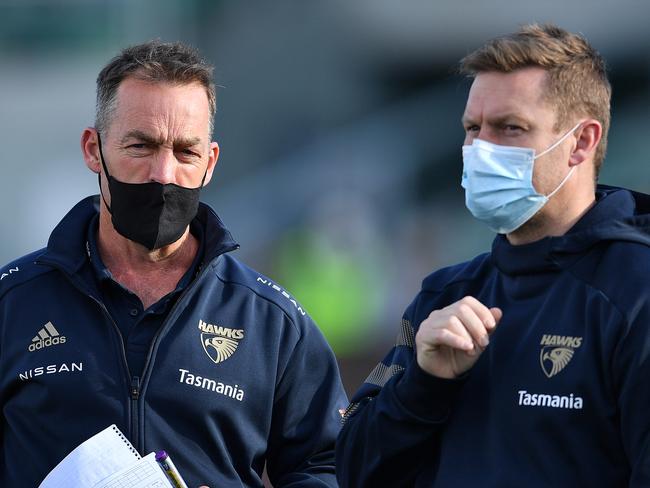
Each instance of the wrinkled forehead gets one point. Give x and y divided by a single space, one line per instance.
162 108
522 93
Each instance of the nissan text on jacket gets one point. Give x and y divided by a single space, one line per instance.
267 391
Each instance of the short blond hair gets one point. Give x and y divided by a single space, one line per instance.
577 81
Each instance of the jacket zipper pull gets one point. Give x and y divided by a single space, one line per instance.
135 388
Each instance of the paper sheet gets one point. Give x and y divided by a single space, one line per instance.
145 473
106 460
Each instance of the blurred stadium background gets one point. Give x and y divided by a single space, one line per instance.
339 127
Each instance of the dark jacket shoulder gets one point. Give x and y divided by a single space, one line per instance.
21 271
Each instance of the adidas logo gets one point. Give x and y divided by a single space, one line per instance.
47 336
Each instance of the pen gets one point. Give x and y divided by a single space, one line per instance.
170 470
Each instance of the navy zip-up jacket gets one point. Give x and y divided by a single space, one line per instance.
560 397
238 374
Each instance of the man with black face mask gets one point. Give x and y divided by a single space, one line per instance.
135 313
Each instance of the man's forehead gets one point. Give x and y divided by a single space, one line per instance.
161 112
124 131
498 113
520 94
150 96
156 137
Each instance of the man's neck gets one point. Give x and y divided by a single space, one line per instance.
149 274
555 219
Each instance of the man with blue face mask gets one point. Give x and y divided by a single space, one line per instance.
528 365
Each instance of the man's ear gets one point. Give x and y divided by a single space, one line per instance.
212 162
90 149
588 136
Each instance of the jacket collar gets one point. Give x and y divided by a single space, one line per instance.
68 248
618 215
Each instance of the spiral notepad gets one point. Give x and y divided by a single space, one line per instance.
128 444
106 460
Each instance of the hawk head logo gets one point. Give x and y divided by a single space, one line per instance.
218 348
554 359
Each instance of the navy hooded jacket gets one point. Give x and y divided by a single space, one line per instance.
237 375
560 397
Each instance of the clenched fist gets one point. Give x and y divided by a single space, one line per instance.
449 341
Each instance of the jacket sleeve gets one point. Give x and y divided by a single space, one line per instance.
390 427
306 415
631 368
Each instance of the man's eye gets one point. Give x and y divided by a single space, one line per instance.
189 153
137 146
512 128
472 128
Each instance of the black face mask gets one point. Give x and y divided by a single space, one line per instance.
152 214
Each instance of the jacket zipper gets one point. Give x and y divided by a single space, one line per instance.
171 317
134 387
135 395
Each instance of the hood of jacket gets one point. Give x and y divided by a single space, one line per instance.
617 215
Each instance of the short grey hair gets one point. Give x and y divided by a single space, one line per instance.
156 62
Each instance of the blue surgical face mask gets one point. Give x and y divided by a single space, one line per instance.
498 182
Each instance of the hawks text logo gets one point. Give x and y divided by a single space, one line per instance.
219 343
556 352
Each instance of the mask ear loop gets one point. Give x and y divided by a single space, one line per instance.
553 147
568 175
560 141
99 175
203 179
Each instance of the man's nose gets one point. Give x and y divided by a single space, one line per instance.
163 167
